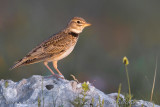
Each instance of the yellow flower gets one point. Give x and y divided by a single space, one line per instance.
125 60
85 86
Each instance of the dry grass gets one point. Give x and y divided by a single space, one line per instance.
154 80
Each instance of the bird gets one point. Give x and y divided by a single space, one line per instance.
56 47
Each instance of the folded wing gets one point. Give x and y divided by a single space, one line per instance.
53 46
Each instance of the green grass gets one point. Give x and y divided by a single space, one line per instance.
6 84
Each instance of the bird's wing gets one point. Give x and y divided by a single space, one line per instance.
53 45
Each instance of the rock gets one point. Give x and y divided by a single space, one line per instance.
39 91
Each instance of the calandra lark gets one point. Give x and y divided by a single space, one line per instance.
56 47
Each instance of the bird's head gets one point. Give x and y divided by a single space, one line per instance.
77 24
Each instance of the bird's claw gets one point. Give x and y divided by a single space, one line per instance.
57 76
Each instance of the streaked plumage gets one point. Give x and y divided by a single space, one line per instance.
56 47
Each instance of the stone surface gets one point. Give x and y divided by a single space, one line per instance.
52 92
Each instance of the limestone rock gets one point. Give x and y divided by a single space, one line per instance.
39 91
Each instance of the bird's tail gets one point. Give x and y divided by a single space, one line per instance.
26 61
18 64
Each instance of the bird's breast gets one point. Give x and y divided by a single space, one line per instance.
65 54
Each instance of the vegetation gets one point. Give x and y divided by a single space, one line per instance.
126 62
154 79
81 101
6 84
127 100
39 102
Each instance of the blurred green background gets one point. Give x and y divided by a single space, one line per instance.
119 28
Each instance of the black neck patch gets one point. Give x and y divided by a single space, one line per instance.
74 34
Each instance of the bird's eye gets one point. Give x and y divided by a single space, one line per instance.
78 22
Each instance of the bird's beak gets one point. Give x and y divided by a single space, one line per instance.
87 24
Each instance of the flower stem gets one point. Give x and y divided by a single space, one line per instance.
129 89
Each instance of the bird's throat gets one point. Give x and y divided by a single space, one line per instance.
74 34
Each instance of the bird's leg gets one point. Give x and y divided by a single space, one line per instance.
55 66
46 64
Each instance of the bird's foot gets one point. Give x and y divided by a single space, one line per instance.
60 76
57 76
